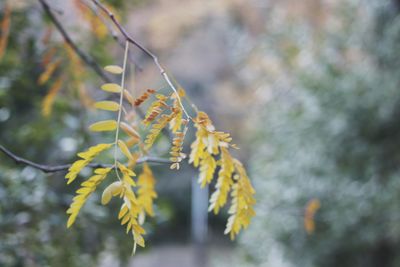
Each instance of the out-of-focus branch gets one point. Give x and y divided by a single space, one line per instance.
56 168
85 58
113 33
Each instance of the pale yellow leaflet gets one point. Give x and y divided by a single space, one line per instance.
111 87
112 190
124 149
129 130
114 69
107 105
101 126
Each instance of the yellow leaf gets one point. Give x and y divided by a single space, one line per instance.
157 128
129 97
124 210
224 182
146 192
48 56
111 87
127 176
84 192
95 22
132 141
129 130
107 105
311 208
108 125
124 149
241 210
113 189
87 156
114 69
176 151
139 240
207 169
49 70
48 100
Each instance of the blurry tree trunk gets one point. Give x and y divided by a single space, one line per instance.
199 223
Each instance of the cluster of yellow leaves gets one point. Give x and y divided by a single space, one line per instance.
157 127
232 176
48 71
241 211
86 158
311 209
77 75
130 208
137 102
146 192
71 67
50 66
209 152
174 119
177 146
219 197
155 109
48 100
176 123
134 207
87 187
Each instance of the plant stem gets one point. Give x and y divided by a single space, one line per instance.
120 108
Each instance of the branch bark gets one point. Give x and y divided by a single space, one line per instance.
56 168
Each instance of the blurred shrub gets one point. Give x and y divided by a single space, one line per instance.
331 132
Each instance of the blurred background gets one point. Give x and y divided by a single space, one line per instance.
308 89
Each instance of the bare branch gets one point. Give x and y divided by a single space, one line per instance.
56 168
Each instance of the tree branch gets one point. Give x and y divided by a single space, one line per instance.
113 33
56 168
85 58
141 47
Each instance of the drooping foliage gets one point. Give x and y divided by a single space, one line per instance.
56 75
210 149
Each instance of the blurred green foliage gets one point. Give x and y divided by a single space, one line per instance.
333 134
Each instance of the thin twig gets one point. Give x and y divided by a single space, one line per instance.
113 33
56 168
121 98
85 58
144 49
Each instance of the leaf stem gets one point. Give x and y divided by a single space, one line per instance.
166 78
121 97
